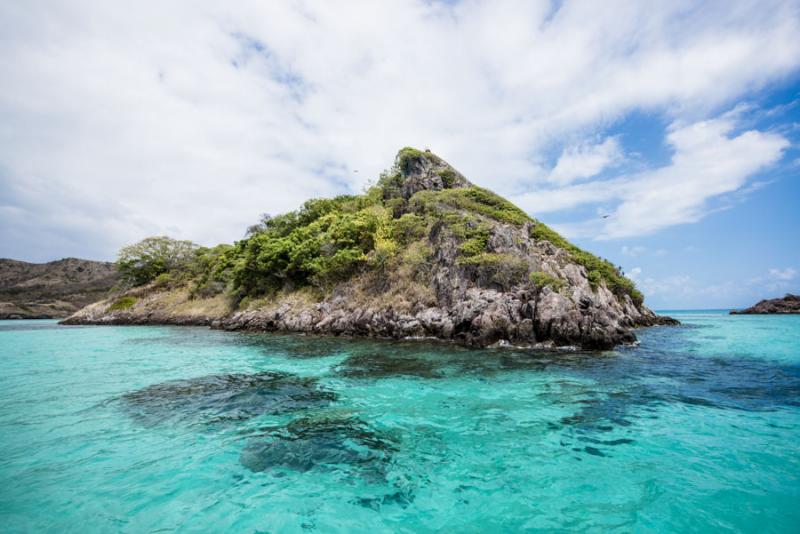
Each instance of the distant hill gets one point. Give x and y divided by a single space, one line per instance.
52 290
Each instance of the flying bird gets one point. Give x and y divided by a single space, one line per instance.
605 216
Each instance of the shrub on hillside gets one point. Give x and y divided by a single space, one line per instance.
541 280
504 270
144 261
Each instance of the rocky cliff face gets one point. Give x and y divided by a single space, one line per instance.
480 272
785 305
52 290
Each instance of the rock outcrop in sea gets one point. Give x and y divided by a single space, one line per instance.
461 264
785 305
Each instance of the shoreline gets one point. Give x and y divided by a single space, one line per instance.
218 324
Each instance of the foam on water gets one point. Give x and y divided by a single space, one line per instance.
138 429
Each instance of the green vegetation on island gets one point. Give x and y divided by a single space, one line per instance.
385 229
422 252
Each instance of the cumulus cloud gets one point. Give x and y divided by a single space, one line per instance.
585 160
679 284
709 160
192 118
678 290
633 251
685 290
783 274
707 163
634 273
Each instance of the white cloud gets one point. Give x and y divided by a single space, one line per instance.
192 118
783 274
709 160
633 251
707 163
585 160
669 286
683 290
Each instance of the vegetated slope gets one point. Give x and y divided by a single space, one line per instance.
424 253
787 304
52 290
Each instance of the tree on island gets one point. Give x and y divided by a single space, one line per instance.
142 262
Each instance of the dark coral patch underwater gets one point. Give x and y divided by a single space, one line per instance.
321 441
225 397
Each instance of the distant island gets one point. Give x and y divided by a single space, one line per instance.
423 253
785 305
52 290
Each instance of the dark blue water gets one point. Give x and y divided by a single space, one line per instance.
144 429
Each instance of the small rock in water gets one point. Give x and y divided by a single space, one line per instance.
227 397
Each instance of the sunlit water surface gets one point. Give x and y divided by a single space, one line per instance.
145 429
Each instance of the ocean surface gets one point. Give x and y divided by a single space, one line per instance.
162 429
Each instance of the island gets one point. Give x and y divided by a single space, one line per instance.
423 253
787 304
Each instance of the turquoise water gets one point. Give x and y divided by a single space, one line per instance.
145 429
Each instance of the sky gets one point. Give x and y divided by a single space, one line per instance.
660 135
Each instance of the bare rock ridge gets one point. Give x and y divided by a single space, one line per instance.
464 265
52 290
786 305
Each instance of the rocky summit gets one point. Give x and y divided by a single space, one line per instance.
424 253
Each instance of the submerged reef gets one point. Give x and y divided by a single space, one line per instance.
228 397
321 441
